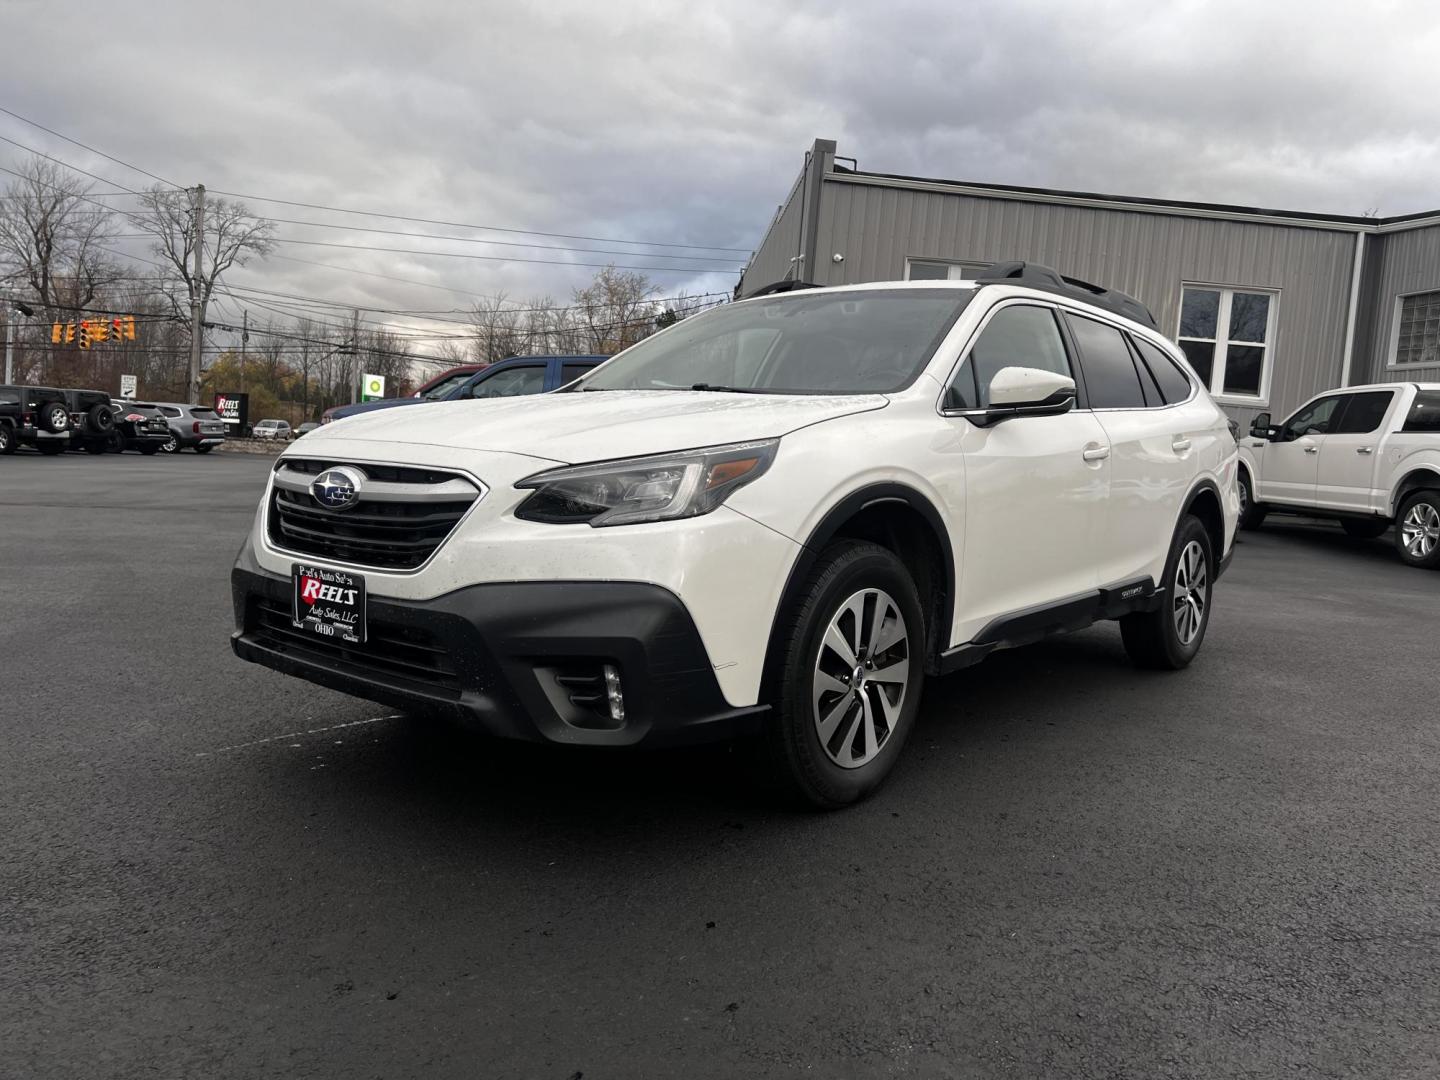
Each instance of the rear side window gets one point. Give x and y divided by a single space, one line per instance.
1015 336
570 372
1173 382
204 414
1363 413
10 397
169 410
1425 413
1111 381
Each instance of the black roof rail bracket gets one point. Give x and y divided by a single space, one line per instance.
781 287
1035 276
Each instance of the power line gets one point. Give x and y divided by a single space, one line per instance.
83 146
66 164
485 228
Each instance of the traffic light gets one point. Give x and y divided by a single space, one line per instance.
84 333
69 333
57 333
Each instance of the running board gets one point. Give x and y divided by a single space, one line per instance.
1034 624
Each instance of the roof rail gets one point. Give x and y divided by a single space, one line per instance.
1035 276
781 286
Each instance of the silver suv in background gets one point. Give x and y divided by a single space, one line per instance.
195 426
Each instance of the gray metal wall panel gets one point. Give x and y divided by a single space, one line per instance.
773 259
1145 254
1410 263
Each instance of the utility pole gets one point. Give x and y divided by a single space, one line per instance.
355 356
195 301
244 340
9 347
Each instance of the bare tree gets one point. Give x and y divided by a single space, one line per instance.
52 238
615 309
498 330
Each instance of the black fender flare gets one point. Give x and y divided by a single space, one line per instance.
825 530
1201 486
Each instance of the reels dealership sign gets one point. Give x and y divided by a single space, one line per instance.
234 409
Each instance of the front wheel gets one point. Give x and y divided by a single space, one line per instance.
1169 637
850 674
1417 530
7 439
1252 514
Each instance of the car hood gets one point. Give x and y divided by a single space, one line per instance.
595 426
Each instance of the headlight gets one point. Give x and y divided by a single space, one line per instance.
658 488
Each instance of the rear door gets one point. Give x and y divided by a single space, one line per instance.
1151 461
1291 464
1345 475
572 370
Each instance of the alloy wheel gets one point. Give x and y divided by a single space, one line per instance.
1191 578
862 671
1420 531
1244 490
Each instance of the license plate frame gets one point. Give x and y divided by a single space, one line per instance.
330 604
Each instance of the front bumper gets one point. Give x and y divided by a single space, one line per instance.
492 655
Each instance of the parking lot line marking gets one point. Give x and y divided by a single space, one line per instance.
297 734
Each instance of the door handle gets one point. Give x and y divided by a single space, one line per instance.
1180 445
1312 450
1364 450
1096 453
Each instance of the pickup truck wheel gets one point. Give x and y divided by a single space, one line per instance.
172 444
850 676
1364 528
7 439
1417 530
1252 514
1169 637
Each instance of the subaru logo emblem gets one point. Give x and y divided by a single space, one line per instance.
338 488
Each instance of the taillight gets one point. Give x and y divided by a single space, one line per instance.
28 419
195 427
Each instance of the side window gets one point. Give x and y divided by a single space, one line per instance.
1363 413
1313 419
1174 384
570 372
1425 413
1111 381
511 382
170 411
10 397
1015 336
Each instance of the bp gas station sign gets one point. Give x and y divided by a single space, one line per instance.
372 387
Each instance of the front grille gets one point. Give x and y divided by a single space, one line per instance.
402 515
396 653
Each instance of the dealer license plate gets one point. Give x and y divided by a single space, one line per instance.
329 603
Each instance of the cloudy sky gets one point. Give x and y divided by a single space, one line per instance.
640 124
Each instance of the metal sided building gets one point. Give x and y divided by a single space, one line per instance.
1271 306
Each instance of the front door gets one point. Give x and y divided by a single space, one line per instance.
1346 476
1291 464
1035 486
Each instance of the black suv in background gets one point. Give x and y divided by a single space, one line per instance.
92 420
139 426
37 416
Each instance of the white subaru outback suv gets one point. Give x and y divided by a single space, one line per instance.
777 517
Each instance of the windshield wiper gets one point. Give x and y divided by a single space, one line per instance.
712 389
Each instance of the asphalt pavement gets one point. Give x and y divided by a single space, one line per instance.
1077 870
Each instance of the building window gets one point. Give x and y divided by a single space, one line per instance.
1417 329
943 270
1226 335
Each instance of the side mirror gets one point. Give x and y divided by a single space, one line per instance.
1260 427
1022 391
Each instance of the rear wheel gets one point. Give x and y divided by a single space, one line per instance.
1364 528
7 439
1252 514
850 676
1417 530
172 444
1169 637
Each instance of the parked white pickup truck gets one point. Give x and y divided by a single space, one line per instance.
1368 456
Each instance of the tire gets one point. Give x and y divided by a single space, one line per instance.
148 449
1417 530
7 439
1364 528
1168 638
171 445
1252 514
203 449
100 420
54 417
814 690
50 447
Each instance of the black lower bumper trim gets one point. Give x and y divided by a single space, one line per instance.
507 657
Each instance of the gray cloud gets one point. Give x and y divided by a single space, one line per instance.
687 123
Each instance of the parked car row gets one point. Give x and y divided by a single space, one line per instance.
53 420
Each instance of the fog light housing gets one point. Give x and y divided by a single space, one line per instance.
614 695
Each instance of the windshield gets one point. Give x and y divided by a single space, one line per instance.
444 386
868 342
